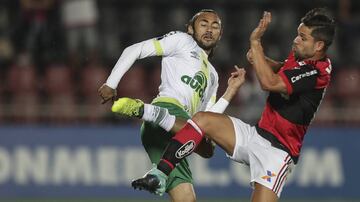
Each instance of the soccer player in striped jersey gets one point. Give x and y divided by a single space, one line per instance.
272 147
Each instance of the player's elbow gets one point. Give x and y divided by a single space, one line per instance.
270 84
267 85
263 86
133 48
275 85
201 119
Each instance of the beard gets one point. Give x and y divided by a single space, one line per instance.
204 46
207 46
298 56
301 55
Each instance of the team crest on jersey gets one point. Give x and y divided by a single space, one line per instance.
198 82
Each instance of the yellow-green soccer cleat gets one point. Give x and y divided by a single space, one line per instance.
128 107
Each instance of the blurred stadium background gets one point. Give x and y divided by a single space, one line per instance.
58 143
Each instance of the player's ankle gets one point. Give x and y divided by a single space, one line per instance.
165 166
141 112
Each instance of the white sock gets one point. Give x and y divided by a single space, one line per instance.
159 116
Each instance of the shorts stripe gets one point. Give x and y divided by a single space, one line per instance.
281 173
287 158
282 181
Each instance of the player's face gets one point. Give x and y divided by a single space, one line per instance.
207 30
304 45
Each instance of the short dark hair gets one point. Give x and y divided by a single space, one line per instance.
322 24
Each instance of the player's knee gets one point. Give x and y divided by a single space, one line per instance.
184 197
202 120
183 193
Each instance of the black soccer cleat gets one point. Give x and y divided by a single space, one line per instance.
153 181
149 183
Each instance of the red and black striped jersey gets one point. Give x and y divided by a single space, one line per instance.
286 117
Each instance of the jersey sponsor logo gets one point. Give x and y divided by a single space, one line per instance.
303 75
185 150
268 176
198 82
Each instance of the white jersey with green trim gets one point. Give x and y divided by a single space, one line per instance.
186 73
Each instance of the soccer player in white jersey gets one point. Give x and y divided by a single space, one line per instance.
188 84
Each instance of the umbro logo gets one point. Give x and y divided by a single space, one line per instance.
205 64
195 55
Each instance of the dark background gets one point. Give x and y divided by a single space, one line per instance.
55 54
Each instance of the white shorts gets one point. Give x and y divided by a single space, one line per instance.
269 166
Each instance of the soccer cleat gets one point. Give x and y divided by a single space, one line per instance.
128 107
153 181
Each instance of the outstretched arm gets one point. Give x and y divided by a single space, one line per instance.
137 51
236 79
206 147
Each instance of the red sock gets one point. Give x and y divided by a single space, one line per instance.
181 145
191 131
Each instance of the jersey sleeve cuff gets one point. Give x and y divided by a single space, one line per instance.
111 84
219 106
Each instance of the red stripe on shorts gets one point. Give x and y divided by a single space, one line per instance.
281 172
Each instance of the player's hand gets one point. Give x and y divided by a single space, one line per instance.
249 57
261 28
237 78
106 93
